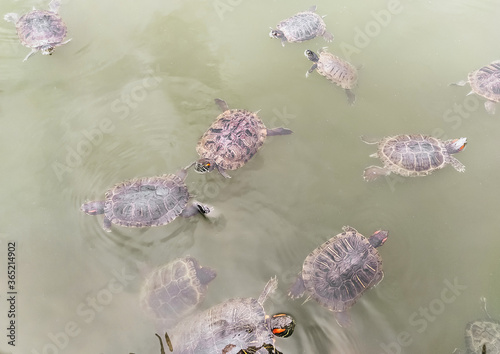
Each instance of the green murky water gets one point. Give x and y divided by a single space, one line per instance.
133 92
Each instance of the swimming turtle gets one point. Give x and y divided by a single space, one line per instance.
172 291
413 155
339 271
338 71
232 140
485 82
301 27
40 30
238 324
147 201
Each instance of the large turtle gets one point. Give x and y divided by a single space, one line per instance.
238 325
338 71
301 27
485 82
147 201
339 271
40 30
172 291
413 155
232 140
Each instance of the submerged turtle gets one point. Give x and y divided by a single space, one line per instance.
485 82
338 71
232 140
339 271
237 325
301 27
40 30
413 155
173 290
147 201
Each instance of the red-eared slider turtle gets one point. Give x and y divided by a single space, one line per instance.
339 271
485 82
338 71
234 325
413 155
173 290
232 140
147 201
40 30
301 27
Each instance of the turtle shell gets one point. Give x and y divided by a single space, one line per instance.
413 155
486 81
147 201
480 332
337 70
173 290
302 26
339 271
232 140
40 28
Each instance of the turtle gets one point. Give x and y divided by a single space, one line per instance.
338 71
339 271
173 291
238 325
413 155
146 201
40 30
485 82
301 27
232 139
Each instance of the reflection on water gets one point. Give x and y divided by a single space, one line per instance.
132 93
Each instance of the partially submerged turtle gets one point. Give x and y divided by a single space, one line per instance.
413 155
338 71
40 30
339 271
485 82
173 290
232 326
232 140
301 27
147 201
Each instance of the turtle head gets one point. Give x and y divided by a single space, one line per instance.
276 33
204 165
455 145
282 325
311 55
47 50
378 238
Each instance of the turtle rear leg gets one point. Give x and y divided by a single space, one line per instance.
298 288
343 318
457 165
351 97
371 173
54 6
490 107
11 17
279 131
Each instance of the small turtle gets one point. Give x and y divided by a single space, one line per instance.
232 140
173 290
147 201
40 30
339 271
485 82
413 155
301 27
237 325
338 71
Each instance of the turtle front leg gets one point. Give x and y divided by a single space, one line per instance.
351 98
106 224
279 131
223 172
298 288
460 83
490 107
11 17
457 165
33 51
371 173
311 69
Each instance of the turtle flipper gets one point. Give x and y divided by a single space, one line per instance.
279 131
33 51
11 17
54 6
351 98
313 67
460 83
371 173
298 288
343 318
328 36
221 104
457 165
106 224
490 107
223 172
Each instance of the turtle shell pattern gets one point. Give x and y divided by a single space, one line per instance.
39 28
338 272
337 70
486 81
302 26
234 137
147 201
233 325
173 290
482 332
412 155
